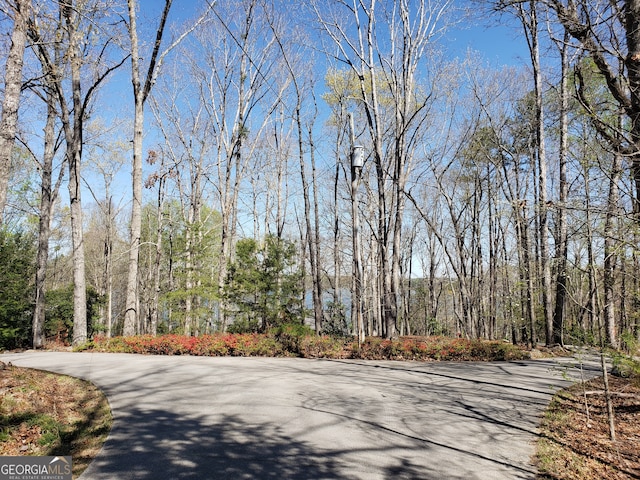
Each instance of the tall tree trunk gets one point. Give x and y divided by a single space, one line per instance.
155 295
389 309
135 224
610 253
527 285
140 94
493 221
188 267
48 194
516 195
77 241
336 230
433 272
531 28
593 308
72 120
357 276
108 270
74 159
562 237
12 89
315 244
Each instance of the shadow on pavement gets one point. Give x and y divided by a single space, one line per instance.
162 445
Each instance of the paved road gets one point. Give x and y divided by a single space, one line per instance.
262 418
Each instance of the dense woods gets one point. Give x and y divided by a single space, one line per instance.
207 153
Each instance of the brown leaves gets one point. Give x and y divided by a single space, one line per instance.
580 443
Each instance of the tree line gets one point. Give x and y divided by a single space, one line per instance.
495 202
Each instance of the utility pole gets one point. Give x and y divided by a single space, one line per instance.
357 161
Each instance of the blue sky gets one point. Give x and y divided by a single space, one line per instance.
496 45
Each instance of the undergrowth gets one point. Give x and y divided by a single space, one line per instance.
298 342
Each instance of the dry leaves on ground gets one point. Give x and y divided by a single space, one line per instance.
575 440
46 414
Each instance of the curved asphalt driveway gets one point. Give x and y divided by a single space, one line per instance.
287 418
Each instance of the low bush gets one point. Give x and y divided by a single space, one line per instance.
290 335
244 345
295 340
324 346
211 346
257 345
436 348
104 344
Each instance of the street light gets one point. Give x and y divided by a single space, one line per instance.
357 162
357 156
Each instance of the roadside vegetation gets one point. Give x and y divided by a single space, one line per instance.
575 437
298 341
42 413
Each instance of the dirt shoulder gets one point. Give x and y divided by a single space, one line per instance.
42 413
575 437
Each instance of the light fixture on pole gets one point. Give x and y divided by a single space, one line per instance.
357 162
357 156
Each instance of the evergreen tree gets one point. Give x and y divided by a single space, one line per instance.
263 287
17 264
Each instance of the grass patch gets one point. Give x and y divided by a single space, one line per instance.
42 413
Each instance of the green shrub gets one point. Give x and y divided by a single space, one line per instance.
58 324
335 324
290 335
17 269
244 325
250 345
325 346
625 365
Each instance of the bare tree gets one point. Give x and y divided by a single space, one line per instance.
140 94
237 82
76 28
530 22
562 241
611 249
12 88
527 13
161 178
609 33
409 29
141 89
106 160
187 148
49 194
303 87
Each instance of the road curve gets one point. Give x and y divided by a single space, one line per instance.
287 418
